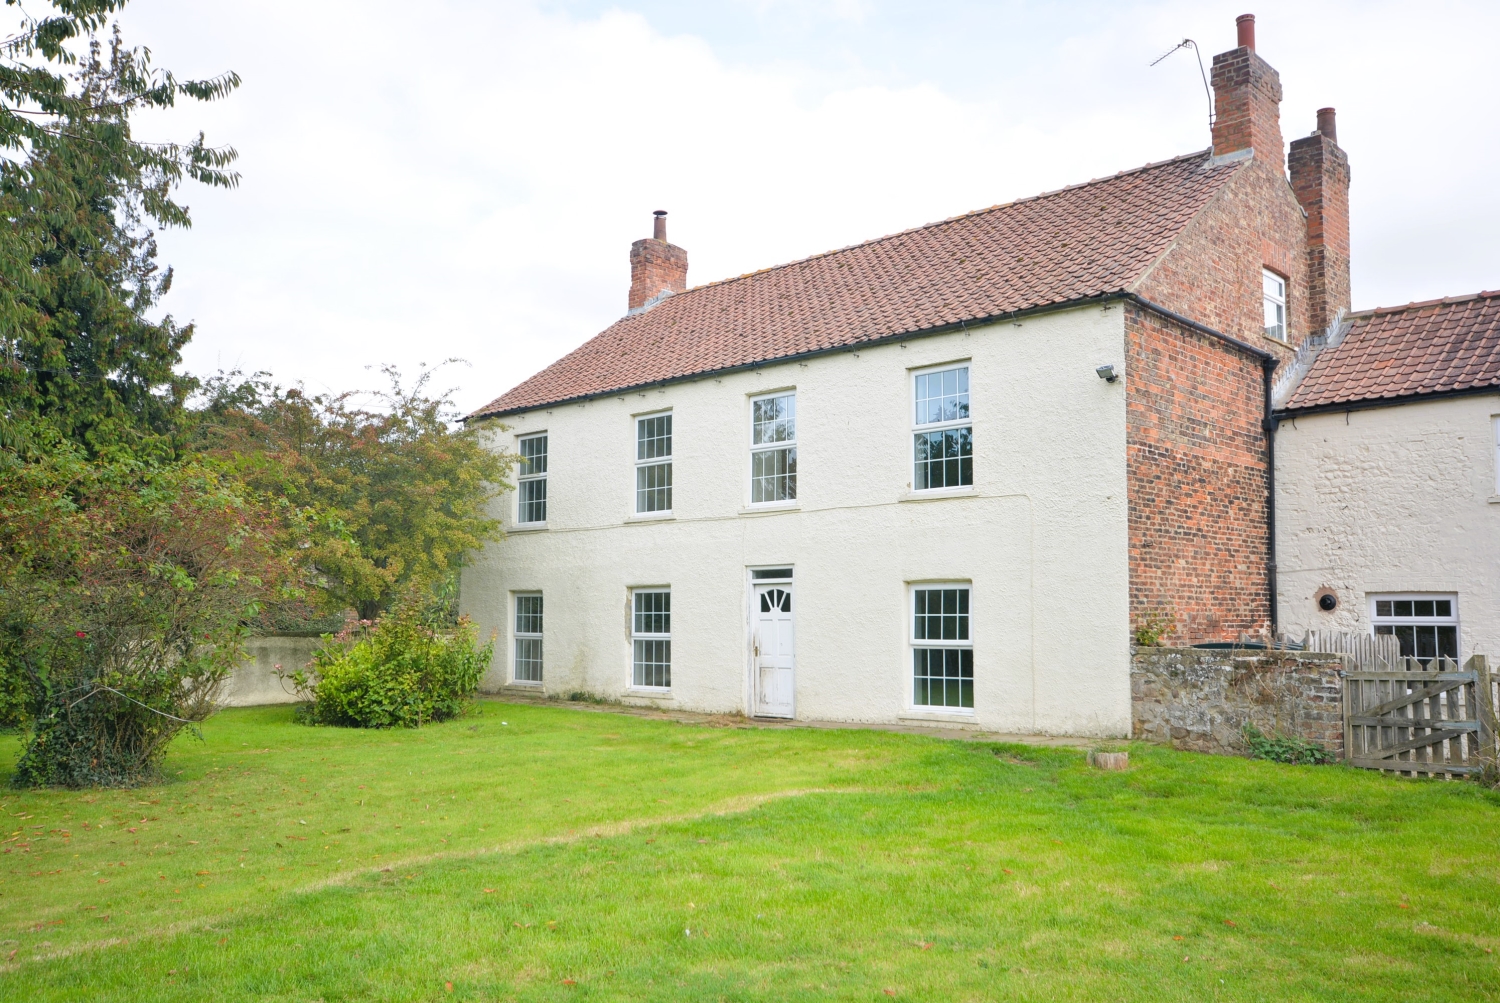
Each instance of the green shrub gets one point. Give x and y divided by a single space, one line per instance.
1153 625
1296 751
405 670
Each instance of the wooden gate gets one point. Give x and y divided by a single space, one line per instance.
1417 719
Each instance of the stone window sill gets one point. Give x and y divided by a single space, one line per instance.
938 494
771 508
527 527
939 717
647 693
632 520
1495 499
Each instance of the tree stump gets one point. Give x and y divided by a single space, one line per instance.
1113 761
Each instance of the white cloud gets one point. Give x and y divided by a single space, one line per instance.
468 181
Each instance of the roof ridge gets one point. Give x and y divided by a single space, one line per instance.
950 219
1418 304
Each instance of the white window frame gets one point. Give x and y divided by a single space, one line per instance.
639 637
527 478
1394 619
1273 298
763 448
663 460
922 428
528 636
914 644
1495 427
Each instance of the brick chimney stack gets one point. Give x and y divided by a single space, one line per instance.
1320 179
656 267
1247 98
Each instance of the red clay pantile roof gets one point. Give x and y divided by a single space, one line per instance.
1087 240
1441 346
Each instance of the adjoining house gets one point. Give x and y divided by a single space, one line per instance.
938 476
1388 479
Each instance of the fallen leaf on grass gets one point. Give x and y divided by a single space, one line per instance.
1402 905
104 881
487 891
1230 922
569 982
890 992
1007 870
925 945
201 873
1184 957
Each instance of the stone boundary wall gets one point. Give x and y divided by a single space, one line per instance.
254 683
1201 699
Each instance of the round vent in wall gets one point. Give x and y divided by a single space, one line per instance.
1328 600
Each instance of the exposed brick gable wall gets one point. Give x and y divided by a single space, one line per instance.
1196 480
1212 272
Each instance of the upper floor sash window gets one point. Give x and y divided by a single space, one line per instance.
531 480
653 463
943 435
773 448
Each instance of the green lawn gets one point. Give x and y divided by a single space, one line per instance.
548 853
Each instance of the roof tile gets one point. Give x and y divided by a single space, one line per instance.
1087 240
1440 346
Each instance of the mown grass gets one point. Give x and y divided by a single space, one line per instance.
567 855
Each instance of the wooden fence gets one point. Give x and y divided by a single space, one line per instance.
1365 649
1433 719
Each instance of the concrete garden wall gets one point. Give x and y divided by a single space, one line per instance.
254 682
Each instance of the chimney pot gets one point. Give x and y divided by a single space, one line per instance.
1327 125
1245 24
659 225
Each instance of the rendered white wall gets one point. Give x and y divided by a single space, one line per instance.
1393 499
1042 536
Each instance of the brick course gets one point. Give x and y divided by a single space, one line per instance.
1320 179
1247 98
1196 480
655 267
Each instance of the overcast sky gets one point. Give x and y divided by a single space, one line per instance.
464 179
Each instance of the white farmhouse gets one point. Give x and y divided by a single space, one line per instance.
940 476
1388 480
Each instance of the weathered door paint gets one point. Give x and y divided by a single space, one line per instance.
771 646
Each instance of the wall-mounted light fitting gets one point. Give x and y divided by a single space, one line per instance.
1107 373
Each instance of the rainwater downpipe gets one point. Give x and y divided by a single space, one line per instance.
1267 368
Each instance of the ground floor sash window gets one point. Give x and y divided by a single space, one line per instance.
528 661
942 648
651 638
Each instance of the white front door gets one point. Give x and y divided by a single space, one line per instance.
771 645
